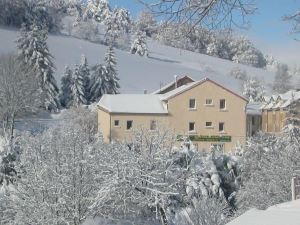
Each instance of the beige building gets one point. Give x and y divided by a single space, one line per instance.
204 110
275 111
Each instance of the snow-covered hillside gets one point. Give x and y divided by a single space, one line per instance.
137 73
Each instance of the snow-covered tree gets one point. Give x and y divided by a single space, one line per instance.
112 75
244 52
99 83
213 47
34 52
97 9
208 211
84 70
146 23
267 166
253 90
18 92
59 175
271 63
138 179
117 25
77 87
291 130
139 45
66 82
282 80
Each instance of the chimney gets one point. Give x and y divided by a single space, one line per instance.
145 91
175 79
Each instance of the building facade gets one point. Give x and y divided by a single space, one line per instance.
207 112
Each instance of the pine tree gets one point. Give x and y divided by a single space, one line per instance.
77 89
139 45
117 25
84 70
33 51
66 82
99 83
112 75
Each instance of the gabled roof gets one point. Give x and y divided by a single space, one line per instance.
169 85
189 86
132 103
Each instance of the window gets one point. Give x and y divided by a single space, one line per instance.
153 125
208 124
208 102
221 127
129 125
191 126
253 120
222 104
192 103
117 123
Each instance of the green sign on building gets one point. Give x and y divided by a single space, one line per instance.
204 138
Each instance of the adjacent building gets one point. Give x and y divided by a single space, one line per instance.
208 112
276 109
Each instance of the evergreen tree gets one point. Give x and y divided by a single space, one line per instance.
66 82
99 83
84 70
112 75
139 45
33 51
117 25
77 88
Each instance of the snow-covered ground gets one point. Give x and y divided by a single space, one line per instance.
282 214
138 73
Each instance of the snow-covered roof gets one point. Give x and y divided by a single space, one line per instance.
287 213
253 108
186 87
133 103
282 100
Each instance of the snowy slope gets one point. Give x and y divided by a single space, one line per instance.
136 73
283 214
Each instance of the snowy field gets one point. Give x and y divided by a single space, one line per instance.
137 73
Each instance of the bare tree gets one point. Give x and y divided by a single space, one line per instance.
295 19
209 13
18 92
